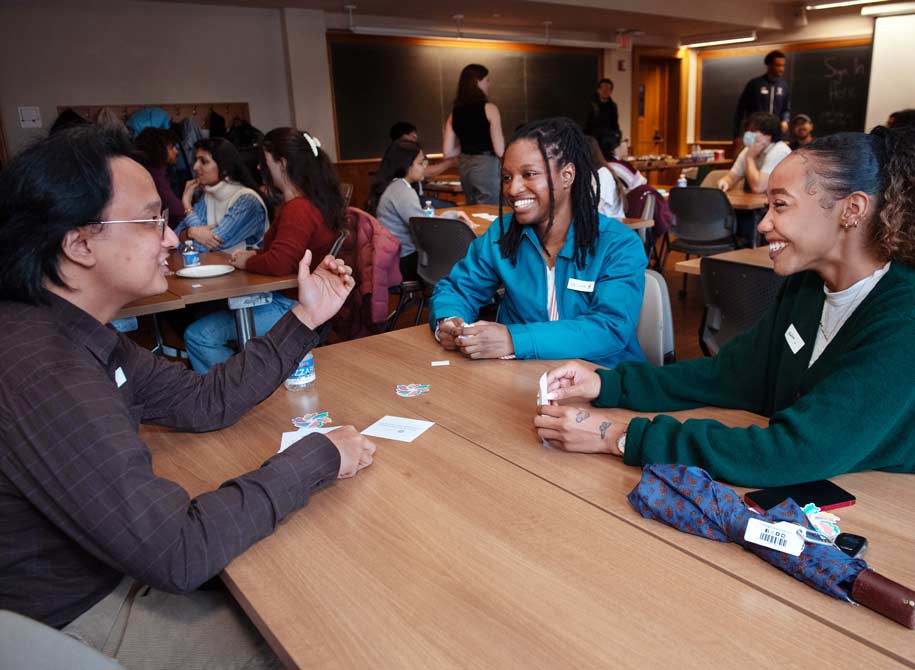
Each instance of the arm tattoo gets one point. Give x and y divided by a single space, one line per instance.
581 416
603 428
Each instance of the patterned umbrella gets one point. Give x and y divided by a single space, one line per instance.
688 499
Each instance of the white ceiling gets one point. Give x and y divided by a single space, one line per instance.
661 21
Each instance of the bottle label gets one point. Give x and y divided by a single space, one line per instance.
306 368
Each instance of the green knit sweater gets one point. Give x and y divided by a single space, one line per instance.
852 410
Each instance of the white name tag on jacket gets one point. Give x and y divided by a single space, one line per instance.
581 285
794 339
119 377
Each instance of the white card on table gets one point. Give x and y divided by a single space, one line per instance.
398 428
794 339
581 285
294 436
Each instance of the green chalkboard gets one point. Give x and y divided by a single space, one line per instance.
378 82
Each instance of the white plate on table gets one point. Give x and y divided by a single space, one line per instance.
199 271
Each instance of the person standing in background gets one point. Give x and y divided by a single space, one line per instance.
768 93
474 131
603 117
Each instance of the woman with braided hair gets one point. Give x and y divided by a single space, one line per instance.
830 363
573 278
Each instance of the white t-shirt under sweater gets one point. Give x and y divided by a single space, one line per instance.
839 306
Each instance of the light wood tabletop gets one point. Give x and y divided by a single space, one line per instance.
476 547
231 285
758 257
164 302
462 397
744 200
482 223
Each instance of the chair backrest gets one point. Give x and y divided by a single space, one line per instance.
736 296
656 323
25 643
637 201
440 243
701 214
712 178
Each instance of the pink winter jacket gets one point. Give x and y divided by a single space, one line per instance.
375 257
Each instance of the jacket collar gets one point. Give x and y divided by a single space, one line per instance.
568 247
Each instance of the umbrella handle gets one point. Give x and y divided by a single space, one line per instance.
885 596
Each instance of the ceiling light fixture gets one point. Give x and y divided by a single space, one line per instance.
892 9
832 4
696 41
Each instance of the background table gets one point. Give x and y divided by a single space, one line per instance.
493 210
758 256
475 547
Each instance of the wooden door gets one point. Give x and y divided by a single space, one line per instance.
651 129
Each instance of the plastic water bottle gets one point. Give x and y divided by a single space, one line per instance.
304 375
429 210
681 182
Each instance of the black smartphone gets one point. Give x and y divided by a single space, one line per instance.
824 494
853 545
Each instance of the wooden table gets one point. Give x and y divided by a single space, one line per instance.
184 291
744 200
644 165
758 257
482 224
475 547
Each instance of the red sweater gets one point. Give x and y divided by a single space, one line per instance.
298 226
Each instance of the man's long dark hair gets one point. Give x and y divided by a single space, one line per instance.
54 186
562 141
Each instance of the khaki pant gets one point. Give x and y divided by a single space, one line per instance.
146 629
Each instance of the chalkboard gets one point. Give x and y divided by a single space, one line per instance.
828 84
377 83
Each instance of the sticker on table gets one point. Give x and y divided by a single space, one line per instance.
826 523
398 428
436 364
411 390
313 420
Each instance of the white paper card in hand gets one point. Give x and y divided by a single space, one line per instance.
782 536
398 428
294 436
541 395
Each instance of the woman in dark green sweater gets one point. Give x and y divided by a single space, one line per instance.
831 362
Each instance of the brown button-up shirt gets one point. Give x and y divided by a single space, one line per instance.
79 504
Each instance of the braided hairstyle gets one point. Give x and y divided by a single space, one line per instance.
881 164
561 140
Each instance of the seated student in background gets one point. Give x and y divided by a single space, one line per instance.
763 150
830 364
86 522
621 169
223 210
404 130
904 118
801 131
160 149
573 278
310 216
610 200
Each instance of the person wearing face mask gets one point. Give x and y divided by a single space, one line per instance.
223 210
830 363
474 131
573 278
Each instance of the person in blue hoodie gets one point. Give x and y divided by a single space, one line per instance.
573 278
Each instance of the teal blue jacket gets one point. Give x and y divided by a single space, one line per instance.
597 325
852 410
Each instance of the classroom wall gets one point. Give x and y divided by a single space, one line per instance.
891 84
104 51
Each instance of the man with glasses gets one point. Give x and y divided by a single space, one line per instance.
91 541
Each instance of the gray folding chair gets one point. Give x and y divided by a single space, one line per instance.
703 223
656 322
440 243
736 296
26 643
